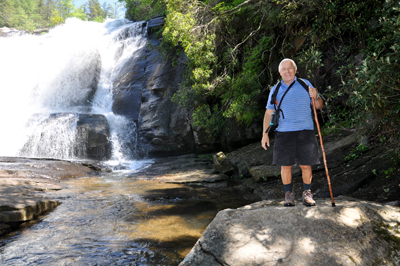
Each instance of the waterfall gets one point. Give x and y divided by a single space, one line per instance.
47 81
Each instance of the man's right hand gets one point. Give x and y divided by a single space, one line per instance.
267 120
265 141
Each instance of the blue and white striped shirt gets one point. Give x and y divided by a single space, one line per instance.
295 106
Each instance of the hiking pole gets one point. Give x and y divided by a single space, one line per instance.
323 150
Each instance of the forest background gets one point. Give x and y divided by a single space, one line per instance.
349 50
30 15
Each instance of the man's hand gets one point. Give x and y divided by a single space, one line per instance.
265 141
313 92
267 119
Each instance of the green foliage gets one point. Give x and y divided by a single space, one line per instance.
79 13
311 60
33 14
233 47
144 9
356 153
375 86
240 98
56 19
212 118
94 11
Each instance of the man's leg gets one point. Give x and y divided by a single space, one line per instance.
306 171
286 174
307 177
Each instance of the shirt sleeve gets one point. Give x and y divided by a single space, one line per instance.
269 105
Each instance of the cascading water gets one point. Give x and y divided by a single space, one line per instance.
47 80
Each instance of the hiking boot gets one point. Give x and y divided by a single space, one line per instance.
289 199
307 198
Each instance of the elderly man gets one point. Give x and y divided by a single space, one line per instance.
295 139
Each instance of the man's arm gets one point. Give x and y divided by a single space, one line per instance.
318 101
267 120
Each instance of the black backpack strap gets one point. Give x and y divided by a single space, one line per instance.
303 83
305 86
273 98
283 96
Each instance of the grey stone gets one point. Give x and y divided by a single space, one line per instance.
93 137
155 22
221 164
266 233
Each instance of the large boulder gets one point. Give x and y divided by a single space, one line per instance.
92 137
266 233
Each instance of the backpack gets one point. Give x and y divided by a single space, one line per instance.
274 123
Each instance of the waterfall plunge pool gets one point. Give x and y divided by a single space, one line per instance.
118 218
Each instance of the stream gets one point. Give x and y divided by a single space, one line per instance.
117 219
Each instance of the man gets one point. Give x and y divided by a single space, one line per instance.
295 139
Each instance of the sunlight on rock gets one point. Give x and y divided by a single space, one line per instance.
314 214
350 217
306 245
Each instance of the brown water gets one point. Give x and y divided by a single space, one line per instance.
116 220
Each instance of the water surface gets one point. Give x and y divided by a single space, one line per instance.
117 220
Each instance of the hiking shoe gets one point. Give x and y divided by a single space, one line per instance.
307 198
289 199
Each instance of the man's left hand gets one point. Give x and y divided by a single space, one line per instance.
313 92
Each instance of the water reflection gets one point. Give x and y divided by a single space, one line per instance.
115 220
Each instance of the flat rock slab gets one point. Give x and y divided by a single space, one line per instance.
266 233
22 199
23 183
183 169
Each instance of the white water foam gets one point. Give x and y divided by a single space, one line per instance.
53 73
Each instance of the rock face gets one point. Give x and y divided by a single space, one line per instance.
163 126
92 137
265 233
143 92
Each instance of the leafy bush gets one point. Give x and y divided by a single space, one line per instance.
375 85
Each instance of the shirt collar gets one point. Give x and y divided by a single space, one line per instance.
284 84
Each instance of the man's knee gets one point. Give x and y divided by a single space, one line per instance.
286 169
305 167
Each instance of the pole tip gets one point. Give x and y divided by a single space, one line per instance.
333 204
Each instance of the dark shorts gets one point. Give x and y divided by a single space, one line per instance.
299 147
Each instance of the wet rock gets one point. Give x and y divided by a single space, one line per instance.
163 128
222 165
184 169
266 233
24 183
21 201
156 21
93 137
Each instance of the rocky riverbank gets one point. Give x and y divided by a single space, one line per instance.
24 183
362 174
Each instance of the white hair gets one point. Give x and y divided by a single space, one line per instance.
287 59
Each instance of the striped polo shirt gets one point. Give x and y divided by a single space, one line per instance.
295 106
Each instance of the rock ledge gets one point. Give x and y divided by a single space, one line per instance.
265 233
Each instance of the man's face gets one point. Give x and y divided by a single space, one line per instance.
287 72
